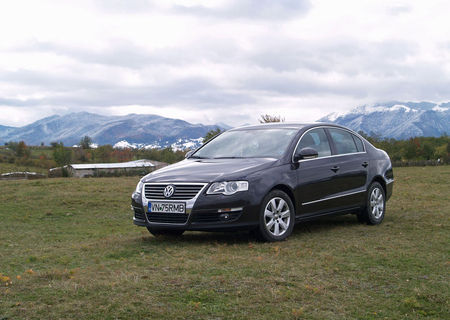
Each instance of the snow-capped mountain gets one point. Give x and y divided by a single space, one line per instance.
399 120
136 130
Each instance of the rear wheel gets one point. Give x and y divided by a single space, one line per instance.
375 208
162 232
277 217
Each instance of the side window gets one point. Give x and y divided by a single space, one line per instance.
316 139
343 141
359 143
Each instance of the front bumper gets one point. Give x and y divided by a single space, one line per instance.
389 189
205 214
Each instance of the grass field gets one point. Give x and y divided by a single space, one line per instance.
68 249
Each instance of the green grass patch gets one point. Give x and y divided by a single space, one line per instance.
68 249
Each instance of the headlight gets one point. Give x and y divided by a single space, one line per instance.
139 187
227 187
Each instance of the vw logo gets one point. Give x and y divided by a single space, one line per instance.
169 190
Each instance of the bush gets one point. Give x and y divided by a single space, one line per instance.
61 154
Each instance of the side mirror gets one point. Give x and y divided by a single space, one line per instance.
306 153
188 154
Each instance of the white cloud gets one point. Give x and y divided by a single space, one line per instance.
219 61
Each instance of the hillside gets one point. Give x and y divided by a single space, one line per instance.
133 129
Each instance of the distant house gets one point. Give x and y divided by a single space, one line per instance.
111 169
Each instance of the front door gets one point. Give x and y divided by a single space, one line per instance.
315 177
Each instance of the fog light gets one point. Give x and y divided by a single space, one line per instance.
224 217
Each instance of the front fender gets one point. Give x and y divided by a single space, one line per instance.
264 181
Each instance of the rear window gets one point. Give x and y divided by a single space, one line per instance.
343 141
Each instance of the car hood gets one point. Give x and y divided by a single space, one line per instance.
209 170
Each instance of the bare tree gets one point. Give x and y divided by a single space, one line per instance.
266 118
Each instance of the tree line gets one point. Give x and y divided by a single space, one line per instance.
414 149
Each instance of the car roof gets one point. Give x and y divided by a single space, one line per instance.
283 125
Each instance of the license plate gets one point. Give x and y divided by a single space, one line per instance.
167 207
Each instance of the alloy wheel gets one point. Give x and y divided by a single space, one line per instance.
376 203
277 216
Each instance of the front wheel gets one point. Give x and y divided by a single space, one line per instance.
277 217
162 232
373 213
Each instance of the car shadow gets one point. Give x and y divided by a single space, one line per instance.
201 237
320 225
325 224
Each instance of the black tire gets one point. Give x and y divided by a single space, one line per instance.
279 226
162 232
373 212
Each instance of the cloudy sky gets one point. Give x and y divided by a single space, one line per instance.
219 61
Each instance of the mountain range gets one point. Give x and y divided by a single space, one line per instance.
133 130
399 120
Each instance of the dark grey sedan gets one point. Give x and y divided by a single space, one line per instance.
266 178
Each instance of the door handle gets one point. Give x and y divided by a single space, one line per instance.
335 168
365 164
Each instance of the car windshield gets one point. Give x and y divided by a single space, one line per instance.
252 143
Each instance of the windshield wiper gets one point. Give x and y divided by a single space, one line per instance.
229 158
197 157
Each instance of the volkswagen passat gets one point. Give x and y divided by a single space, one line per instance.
266 178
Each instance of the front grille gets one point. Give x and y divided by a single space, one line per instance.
167 217
214 217
182 191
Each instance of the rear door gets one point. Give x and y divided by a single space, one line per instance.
350 161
